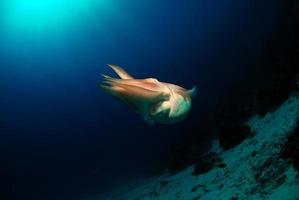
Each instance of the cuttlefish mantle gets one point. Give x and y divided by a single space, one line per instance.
156 101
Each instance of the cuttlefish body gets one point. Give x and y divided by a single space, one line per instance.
156 101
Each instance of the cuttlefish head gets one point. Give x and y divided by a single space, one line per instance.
156 101
176 108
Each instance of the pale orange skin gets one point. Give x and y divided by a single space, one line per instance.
156 101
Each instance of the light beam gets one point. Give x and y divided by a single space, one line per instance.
43 15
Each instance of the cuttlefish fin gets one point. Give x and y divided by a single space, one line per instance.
116 92
134 90
193 92
136 96
120 72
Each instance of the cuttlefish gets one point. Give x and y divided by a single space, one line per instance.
156 101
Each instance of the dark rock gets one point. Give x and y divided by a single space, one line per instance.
281 179
164 183
197 197
231 134
154 194
291 148
253 154
182 156
195 188
270 172
222 165
221 186
206 162
178 195
219 160
201 167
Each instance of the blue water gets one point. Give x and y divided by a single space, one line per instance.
61 136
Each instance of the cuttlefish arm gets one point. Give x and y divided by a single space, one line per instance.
140 94
120 72
187 94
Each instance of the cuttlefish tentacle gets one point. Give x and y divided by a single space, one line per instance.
156 101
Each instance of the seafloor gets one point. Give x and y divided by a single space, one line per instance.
254 169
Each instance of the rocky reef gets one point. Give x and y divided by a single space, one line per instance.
263 166
291 148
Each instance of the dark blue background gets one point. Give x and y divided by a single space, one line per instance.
61 134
